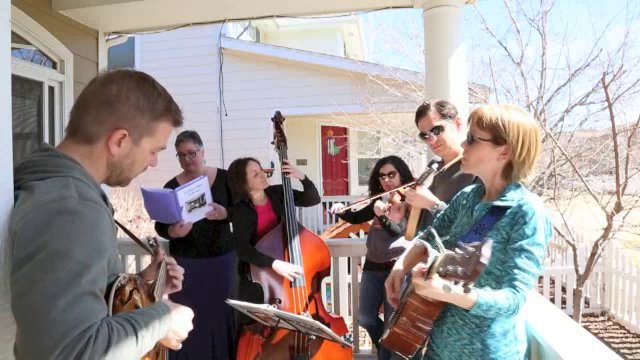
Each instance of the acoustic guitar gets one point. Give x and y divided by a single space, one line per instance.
410 325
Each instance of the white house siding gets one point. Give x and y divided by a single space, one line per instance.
324 41
186 62
255 87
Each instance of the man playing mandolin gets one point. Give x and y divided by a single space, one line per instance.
63 242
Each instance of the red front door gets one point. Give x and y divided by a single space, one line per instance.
335 163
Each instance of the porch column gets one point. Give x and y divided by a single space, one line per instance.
7 327
445 62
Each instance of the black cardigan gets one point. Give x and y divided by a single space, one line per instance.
207 238
245 220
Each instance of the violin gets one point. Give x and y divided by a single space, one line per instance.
387 194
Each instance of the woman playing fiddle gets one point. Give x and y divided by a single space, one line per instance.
383 243
502 147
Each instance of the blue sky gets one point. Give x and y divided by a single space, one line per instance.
395 37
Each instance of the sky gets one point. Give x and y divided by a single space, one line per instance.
395 38
384 32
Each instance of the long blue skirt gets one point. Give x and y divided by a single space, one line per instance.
207 284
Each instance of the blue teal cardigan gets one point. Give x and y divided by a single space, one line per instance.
494 327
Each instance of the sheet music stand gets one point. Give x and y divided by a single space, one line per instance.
271 316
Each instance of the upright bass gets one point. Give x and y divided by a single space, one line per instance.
292 242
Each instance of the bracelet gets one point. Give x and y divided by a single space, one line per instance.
439 206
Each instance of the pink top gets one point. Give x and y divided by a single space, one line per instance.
267 219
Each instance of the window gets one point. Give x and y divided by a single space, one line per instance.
41 85
368 153
122 55
23 49
27 101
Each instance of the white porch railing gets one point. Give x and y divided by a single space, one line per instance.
551 333
614 285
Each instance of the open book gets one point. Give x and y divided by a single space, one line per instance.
187 202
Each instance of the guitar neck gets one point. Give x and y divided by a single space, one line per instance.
159 282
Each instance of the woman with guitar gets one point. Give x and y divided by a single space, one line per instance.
383 244
485 322
286 260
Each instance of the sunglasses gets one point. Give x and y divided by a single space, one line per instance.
431 134
390 175
471 139
189 155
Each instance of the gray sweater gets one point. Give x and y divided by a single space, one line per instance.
64 256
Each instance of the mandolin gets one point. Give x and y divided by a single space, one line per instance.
130 292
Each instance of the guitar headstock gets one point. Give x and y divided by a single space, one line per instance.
279 138
465 263
434 166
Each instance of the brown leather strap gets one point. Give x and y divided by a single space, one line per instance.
134 238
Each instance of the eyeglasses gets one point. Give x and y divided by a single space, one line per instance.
472 139
390 175
431 134
189 155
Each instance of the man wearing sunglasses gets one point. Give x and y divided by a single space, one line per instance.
442 130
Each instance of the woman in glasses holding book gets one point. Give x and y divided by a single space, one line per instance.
486 322
204 249
385 242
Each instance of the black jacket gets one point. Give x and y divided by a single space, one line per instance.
245 220
207 238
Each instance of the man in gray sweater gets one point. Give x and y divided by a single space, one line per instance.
64 253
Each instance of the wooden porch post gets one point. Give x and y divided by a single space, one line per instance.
445 59
7 325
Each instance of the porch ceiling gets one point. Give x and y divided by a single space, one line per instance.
139 15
